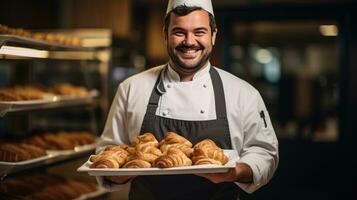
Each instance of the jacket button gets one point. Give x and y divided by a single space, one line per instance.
205 86
168 86
202 111
165 113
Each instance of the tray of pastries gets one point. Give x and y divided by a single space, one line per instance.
172 155
41 148
49 186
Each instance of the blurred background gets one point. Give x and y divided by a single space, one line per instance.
301 55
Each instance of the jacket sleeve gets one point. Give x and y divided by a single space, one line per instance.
115 131
260 145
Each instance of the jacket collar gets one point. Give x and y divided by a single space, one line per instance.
173 76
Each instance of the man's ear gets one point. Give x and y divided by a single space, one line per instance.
214 34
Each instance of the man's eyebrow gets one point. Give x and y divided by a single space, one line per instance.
177 29
201 29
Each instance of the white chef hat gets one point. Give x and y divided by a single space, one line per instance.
204 4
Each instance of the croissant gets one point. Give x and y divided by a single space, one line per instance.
171 138
173 158
137 163
211 153
203 161
106 162
148 157
145 139
113 158
206 143
149 149
110 150
185 149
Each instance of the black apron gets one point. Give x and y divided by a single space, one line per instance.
185 187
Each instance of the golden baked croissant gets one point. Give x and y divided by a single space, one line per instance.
173 158
206 143
137 163
148 149
185 149
203 161
211 153
172 138
113 158
148 157
145 139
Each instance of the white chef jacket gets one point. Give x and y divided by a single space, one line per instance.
255 142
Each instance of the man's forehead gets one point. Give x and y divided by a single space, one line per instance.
197 17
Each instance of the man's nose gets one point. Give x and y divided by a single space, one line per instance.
190 39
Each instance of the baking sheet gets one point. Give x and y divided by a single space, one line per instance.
232 155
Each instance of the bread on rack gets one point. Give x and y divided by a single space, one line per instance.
44 36
46 186
21 93
173 158
68 89
62 140
15 152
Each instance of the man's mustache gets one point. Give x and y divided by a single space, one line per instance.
188 47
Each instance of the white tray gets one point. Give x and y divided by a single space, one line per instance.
232 155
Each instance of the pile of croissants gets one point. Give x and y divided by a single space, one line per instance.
146 152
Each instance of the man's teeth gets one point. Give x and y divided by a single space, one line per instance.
190 51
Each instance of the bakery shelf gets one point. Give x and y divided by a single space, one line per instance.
53 156
46 103
17 47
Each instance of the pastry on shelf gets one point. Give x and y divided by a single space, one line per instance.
16 152
21 93
68 90
43 36
46 186
61 140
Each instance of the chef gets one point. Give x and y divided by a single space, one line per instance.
191 97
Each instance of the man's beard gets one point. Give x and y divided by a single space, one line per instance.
181 65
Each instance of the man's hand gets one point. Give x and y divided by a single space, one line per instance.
119 179
241 173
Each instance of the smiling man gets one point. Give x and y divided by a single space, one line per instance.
191 97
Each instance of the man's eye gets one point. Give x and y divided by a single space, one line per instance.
200 33
179 33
